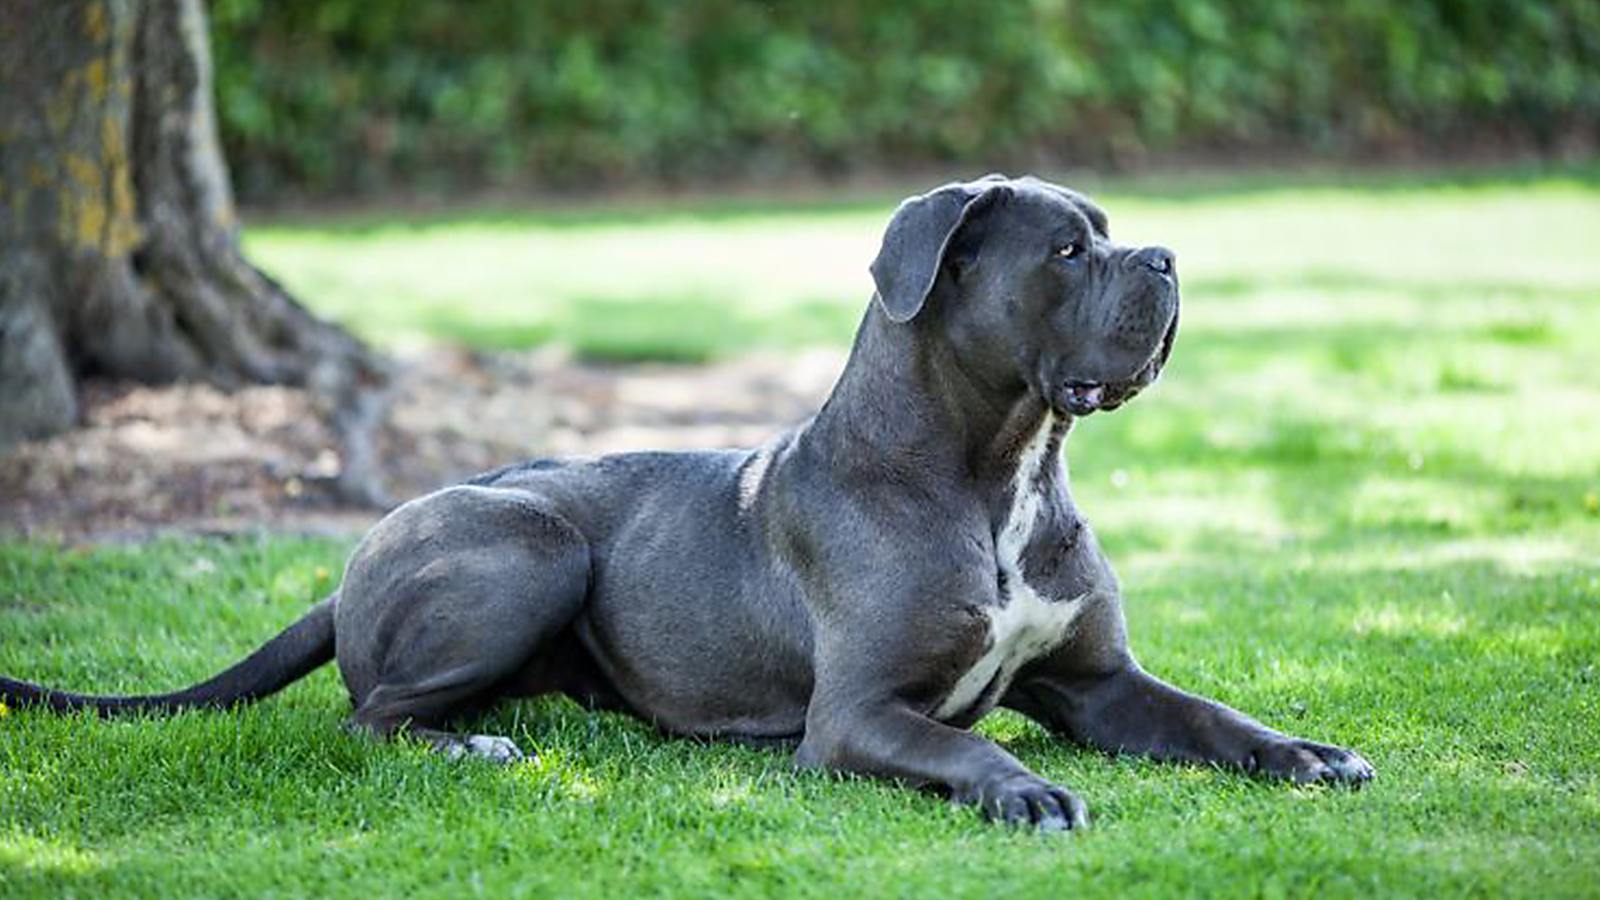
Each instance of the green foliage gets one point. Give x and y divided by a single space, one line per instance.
322 96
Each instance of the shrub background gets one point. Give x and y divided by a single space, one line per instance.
358 96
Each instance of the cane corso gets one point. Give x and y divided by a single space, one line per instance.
864 587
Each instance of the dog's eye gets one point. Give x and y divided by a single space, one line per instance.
1069 251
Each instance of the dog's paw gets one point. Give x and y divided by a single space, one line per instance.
1307 762
487 747
1028 800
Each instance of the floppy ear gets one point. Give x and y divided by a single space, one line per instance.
915 242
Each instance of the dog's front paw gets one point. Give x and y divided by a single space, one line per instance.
1305 762
489 747
1028 800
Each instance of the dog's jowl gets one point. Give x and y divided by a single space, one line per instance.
864 587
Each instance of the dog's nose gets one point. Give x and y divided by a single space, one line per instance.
1157 259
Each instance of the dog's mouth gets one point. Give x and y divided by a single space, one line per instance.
1080 398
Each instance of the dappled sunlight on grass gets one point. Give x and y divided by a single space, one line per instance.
737 794
1008 727
1532 641
504 285
1184 509
1446 504
1294 679
33 855
554 772
1511 555
1440 618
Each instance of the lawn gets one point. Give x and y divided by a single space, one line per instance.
1363 504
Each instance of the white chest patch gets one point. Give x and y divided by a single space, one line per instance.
1025 625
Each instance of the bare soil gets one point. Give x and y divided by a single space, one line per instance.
190 459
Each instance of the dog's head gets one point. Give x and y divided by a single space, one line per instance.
1021 279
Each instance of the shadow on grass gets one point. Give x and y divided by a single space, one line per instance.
580 211
577 212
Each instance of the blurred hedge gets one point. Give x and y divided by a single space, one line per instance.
352 96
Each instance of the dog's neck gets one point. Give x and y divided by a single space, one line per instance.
946 417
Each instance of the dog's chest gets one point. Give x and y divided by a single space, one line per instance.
1032 618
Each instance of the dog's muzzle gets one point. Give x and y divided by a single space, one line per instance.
1081 398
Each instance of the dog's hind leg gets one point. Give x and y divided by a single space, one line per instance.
446 602
388 712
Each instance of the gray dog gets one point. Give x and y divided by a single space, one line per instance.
866 586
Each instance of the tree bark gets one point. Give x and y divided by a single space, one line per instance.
119 246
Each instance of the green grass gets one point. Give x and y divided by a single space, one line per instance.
709 278
1363 505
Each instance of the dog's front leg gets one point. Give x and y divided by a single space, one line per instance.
1129 710
891 740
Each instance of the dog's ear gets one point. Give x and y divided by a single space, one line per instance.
919 235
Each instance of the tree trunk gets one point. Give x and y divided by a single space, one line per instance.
119 249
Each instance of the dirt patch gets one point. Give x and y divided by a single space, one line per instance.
191 459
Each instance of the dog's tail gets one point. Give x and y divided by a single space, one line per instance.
298 649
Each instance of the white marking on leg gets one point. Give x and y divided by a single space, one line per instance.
490 747
1025 625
